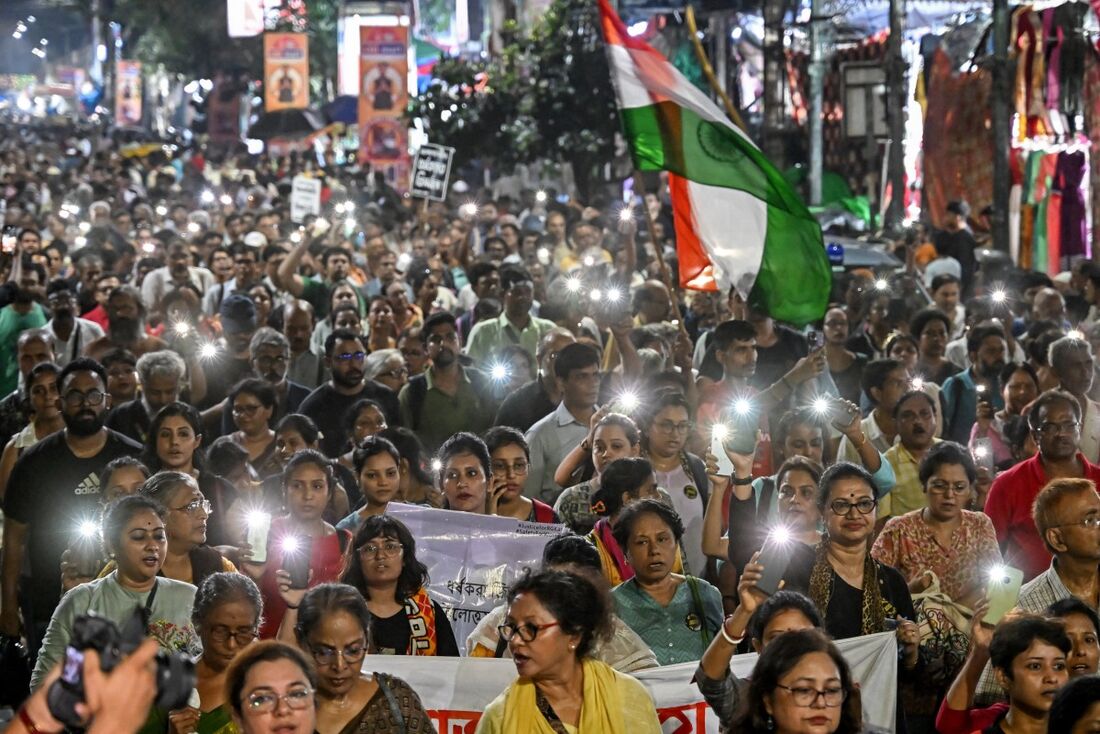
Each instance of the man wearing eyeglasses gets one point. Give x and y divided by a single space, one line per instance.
1055 422
1066 514
53 487
1072 362
345 356
269 355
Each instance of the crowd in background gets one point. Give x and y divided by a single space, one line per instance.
178 354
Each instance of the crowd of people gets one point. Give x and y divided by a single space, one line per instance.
179 358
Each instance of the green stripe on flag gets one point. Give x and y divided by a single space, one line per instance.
795 276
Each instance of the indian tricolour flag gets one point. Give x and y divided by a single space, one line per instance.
738 222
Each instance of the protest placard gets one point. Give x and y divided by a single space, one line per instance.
472 559
305 198
431 171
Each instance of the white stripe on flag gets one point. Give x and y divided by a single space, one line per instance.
639 87
732 226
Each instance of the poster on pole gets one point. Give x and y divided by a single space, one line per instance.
244 18
383 99
472 560
431 172
128 94
286 71
305 198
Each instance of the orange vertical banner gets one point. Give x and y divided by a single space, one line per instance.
286 71
383 99
128 94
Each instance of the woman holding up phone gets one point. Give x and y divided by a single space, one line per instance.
302 549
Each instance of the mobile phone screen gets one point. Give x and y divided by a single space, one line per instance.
1003 592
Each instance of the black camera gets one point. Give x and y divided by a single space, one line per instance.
175 671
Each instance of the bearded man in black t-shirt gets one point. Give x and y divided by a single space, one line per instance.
55 486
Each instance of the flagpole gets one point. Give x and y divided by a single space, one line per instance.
708 71
666 274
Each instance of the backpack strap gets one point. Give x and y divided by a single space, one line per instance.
418 392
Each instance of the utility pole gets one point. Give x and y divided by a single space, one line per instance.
817 93
898 100
97 40
1002 116
775 82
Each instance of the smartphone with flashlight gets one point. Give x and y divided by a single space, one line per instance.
296 562
85 558
815 339
8 244
841 413
717 435
983 452
258 525
774 556
1003 592
742 422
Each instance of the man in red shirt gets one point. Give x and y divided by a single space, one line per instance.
1055 421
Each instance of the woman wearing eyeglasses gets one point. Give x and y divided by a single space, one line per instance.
174 444
270 687
511 460
227 613
943 538
387 366
665 433
553 623
856 594
253 402
188 557
801 684
386 571
335 628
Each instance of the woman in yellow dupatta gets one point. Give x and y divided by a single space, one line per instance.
554 619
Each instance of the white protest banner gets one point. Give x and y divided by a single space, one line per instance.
305 198
456 690
472 559
431 171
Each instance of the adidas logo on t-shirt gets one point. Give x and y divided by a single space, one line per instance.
88 485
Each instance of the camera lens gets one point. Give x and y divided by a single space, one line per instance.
175 680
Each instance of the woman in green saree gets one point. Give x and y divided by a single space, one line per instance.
227 612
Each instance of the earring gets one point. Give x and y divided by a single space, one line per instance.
770 723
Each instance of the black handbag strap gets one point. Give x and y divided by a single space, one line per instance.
395 710
147 610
